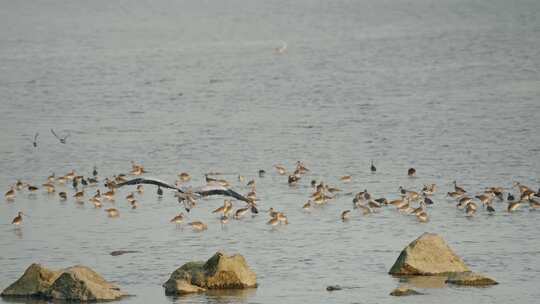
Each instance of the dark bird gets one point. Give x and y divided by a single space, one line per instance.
61 139
94 173
373 169
34 143
206 190
510 197
411 172
159 191
261 173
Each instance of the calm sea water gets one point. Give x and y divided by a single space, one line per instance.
449 87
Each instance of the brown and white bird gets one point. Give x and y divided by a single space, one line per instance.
18 219
198 226
112 212
345 215
10 194
178 219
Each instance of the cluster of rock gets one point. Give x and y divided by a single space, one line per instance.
77 283
82 284
429 255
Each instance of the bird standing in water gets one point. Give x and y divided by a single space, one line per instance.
18 219
373 169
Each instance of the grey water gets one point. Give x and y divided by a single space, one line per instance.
449 87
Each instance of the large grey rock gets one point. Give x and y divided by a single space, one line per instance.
470 279
219 272
428 255
35 281
78 283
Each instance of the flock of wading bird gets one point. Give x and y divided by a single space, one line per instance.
409 202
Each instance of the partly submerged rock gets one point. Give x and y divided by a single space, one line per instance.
404 291
428 255
470 279
33 283
80 283
219 272
121 252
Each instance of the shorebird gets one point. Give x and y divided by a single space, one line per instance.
18 219
510 197
130 197
485 198
307 205
372 168
301 168
79 195
470 209
112 212
198 225
282 49
96 201
411 172
490 209
521 188
109 195
428 201
61 139
222 208
94 172
140 189
159 191
10 194
19 185
184 177
62 195
455 194
262 173
273 221
513 206
32 188
49 187
178 219
458 189
293 179
534 204
280 169
422 217
240 212
346 178
345 215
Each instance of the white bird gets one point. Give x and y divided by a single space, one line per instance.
282 49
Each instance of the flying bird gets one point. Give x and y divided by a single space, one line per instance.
206 190
61 139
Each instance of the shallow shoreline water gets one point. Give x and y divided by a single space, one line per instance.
451 88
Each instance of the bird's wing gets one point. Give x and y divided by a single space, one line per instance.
215 189
151 181
52 131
